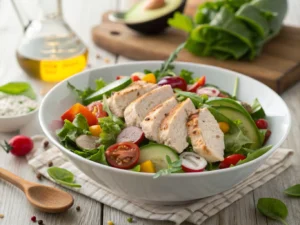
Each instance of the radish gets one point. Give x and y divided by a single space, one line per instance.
209 91
192 162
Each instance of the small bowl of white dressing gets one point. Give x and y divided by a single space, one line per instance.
16 111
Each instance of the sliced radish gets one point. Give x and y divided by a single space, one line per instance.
209 91
131 134
192 162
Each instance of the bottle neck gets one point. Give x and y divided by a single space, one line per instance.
51 9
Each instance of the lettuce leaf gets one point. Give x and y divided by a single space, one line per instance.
181 22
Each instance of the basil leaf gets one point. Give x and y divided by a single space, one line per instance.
273 209
181 22
254 155
18 88
99 156
293 191
62 176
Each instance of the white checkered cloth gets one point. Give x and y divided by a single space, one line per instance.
195 212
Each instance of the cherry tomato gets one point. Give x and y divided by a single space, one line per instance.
192 162
231 160
19 145
199 83
97 109
123 155
175 82
135 78
267 136
261 124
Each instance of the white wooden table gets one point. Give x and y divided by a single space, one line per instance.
82 15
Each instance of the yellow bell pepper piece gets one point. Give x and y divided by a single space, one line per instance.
95 130
150 78
224 127
147 167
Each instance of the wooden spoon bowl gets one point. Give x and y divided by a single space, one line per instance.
45 198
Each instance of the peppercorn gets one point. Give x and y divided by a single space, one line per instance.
130 220
78 208
39 176
46 144
50 163
40 222
1 216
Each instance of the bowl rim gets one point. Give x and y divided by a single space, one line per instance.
150 175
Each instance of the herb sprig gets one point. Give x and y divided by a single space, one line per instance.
173 167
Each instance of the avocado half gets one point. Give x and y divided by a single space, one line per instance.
152 21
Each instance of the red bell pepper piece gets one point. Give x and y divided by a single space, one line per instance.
71 113
199 83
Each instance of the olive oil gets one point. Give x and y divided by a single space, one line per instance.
52 58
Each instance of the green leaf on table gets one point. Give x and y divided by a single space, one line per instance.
173 167
293 191
62 176
18 88
273 209
255 154
181 22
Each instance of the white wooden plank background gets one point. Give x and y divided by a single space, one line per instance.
81 16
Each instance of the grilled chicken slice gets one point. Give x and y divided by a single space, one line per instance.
150 125
206 136
173 130
139 108
121 99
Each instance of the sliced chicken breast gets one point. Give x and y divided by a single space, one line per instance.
151 123
139 108
173 130
121 99
206 136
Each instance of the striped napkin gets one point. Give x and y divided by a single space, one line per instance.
195 212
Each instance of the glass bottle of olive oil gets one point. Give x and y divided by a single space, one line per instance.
50 50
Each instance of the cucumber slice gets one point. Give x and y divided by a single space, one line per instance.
108 89
247 125
157 154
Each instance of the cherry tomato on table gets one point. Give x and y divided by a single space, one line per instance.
19 145
261 124
231 160
123 155
97 109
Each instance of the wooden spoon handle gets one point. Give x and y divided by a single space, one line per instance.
14 179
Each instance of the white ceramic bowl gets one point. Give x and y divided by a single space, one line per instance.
176 187
14 123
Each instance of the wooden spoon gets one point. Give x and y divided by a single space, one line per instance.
45 198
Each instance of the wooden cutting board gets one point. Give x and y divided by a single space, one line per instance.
278 66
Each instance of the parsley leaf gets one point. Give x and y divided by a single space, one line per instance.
187 76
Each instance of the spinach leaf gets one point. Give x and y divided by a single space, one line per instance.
235 141
18 88
187 76
256 154
257 110
197 100
173 167
293 191
181 22
62 176
137 168
273 209
99 157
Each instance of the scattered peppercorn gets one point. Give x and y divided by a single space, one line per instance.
46 144
130 220
33 219
110 222
1 216
89 65
40 222
50 163
39 176
98 56
78 208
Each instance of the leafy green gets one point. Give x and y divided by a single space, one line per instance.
181 22
18 88
100 83
197 100
173 167
273 209
99 157
62 176
111 126
293 191
257 110
137 168
212 166
235 141
255 154
187 76
262 134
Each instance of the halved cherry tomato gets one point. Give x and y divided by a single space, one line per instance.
135 78
261 124
71 113
267 136
97 109
123 155
199 83
231 160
